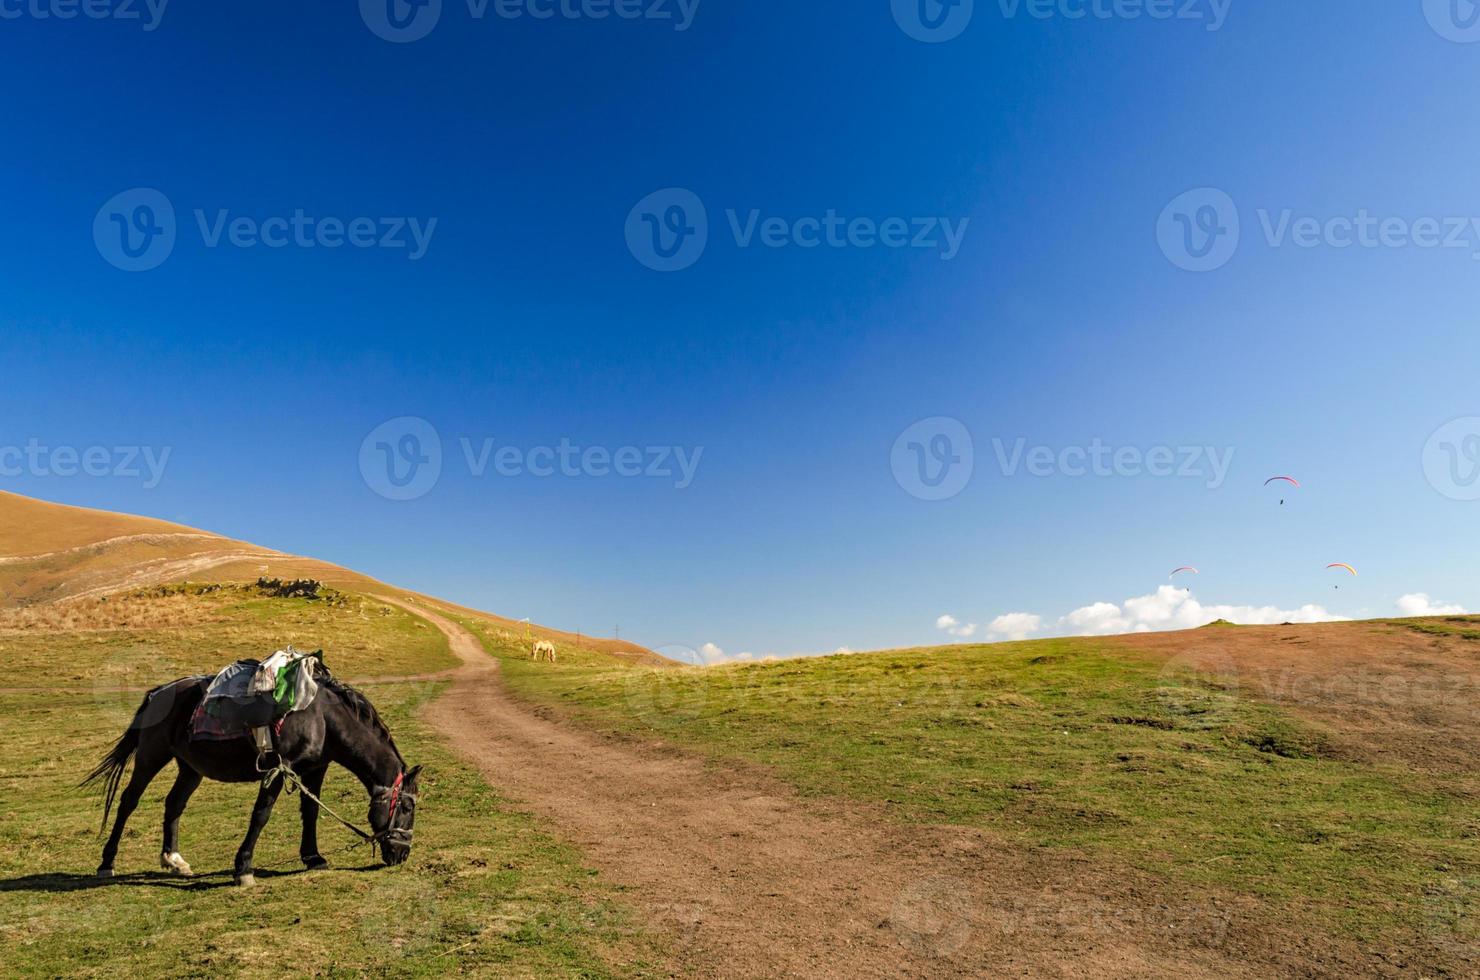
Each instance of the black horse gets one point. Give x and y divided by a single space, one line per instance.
340 726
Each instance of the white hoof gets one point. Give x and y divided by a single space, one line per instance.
172 861
246 881
105 872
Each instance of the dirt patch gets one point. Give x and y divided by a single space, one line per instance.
1382 692
744 878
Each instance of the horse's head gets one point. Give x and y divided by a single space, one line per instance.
392 814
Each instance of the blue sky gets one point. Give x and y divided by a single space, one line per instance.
1057 149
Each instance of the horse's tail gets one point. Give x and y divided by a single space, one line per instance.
110 770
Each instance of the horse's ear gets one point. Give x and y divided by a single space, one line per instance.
411 776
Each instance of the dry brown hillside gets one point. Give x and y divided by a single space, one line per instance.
55 553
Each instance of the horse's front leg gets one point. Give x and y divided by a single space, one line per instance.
266 797
313 781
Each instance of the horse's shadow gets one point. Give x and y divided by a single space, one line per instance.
201 881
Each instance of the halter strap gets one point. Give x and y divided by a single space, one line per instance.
396 794
293 784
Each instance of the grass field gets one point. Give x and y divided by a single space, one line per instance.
486 891
167 632
1075 744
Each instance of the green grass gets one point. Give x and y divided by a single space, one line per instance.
1069 744
1463 627
486 890
361 637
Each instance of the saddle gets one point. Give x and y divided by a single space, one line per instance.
252 697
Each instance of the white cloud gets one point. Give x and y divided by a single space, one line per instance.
1102 617
710 654
1419 604
1014 626
954 626
1171 608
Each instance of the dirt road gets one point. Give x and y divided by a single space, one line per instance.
744 878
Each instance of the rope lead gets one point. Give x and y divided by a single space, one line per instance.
293 784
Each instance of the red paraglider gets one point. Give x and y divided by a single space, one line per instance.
1286 479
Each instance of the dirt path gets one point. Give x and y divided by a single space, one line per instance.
747 879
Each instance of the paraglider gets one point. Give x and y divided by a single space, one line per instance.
1185 568
1342 565
1286 479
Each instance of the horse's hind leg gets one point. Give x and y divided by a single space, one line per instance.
266 797
146 767
313 781
174 805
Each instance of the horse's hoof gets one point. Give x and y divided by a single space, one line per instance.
105 872
245 881
174 862
315 863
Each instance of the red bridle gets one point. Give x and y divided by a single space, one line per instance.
396 794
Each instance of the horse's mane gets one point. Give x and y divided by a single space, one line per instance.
360 706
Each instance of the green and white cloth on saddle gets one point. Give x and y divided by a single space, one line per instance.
254 694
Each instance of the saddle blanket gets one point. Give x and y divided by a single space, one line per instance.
205 727
252 694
